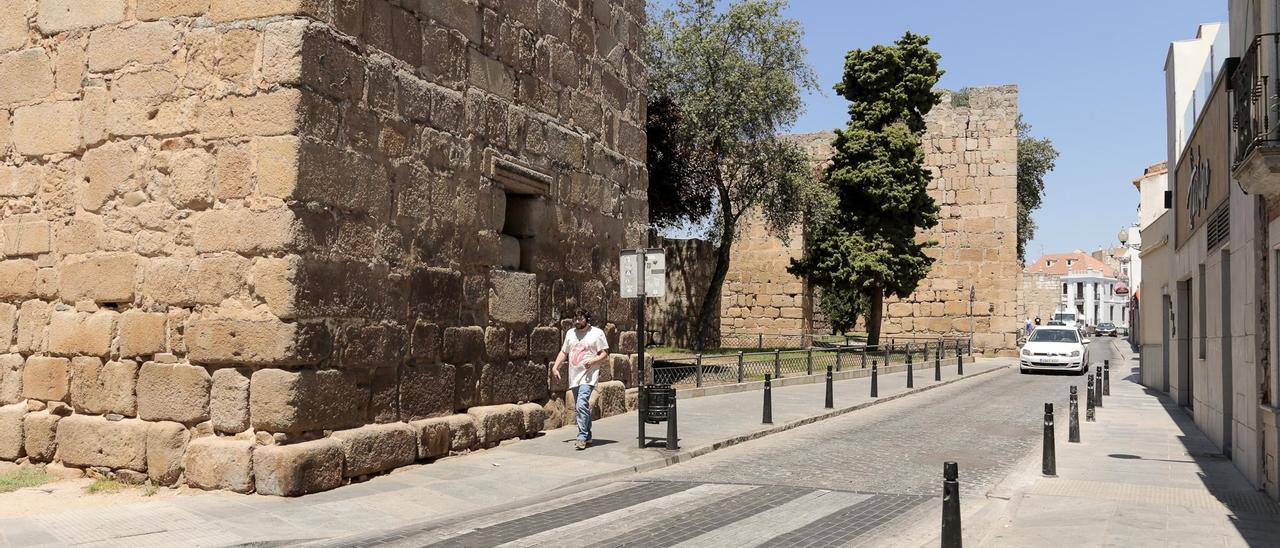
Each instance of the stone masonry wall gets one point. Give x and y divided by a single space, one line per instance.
277 245
971 147
672 320
1040 296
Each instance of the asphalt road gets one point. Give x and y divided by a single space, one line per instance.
840 482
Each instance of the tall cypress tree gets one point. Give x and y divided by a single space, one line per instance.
865 240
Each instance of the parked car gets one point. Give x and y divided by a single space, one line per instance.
1107 329
1055 348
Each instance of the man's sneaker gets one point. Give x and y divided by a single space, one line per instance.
580 445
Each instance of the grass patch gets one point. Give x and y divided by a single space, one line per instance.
103 486
24 477
150 490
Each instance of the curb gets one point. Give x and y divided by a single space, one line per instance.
796 380
686 455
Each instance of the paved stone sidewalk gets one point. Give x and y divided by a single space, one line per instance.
512 475
1144 475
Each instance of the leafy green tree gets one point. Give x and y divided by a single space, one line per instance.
1036 157
735 76
864 239
842 306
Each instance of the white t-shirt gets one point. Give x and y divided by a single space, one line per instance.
582 349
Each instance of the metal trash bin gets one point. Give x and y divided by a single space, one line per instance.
657 398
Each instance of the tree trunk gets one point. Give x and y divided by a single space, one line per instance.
711 300
875 314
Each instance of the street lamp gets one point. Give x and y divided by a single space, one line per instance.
1123 236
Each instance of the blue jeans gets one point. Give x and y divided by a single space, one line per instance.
582 409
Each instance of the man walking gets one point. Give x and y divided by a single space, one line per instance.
586 349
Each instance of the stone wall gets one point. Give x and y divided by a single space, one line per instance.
672 320
235 233
1040 296
971 147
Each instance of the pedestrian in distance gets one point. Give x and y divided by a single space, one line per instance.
586 349
1028 325
1037 320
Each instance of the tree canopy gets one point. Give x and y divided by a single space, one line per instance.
1036 158
865 239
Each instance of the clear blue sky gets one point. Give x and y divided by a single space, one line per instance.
1090 73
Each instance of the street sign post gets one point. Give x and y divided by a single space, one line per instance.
642 273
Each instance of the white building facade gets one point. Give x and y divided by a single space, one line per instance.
1092 296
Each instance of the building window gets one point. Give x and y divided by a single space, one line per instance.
1201 317
523 215
1049 262
1064 289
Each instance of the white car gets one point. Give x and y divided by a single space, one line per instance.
1055 348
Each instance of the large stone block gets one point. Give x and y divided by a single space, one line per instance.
234 10
463 344
229 400
513 297
142 333
11 428
220 463
426 390
108 278
186 282
13 29
556 414
47 128
434 438
274 282
45 378
463 433
77 333
145 43
298 401
166 451
56 16
545 344
245 231
33 318
512 382
107 170
377 448
99 389
148 10
612 398
256 341
263 114
30 76
85 441
10 378
173 392
534 419
495 423
298 469
21 279
40 431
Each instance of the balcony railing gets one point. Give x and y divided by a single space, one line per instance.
1255 98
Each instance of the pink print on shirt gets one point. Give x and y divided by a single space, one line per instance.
579 354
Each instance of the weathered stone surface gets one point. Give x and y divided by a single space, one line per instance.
220 463
545 344
274 281
426 390
142 333
463 344
611 397
513 297
512 382
534 419
95 441
77 333
173 392
377 448
99 389
463 432
111 48
204 280
11 431
10 378
434 438
108 170
108 278
25 235
155 9
166 450
22 277
45 378
13 30
255 342
229 400
56 16
30 76
298 469
33 318
47 128
495 423
40 431
244 231
297 401
556 414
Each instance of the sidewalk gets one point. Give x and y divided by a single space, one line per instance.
509 476
1144 475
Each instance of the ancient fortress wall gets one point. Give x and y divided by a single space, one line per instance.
274 245
1041 295
971 147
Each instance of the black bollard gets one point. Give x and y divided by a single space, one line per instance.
831 402
937 364
875 392
1097 388
1088 396
768 399
673 442
1106 377
911 377
959 360
1049 464
950 505
1073 432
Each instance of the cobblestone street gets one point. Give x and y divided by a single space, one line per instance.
852 480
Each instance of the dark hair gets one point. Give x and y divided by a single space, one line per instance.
582 313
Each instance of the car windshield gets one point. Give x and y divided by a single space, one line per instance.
1064 317
1055 336
1106 325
